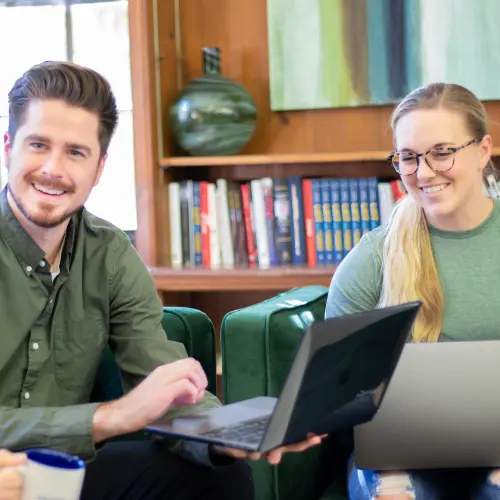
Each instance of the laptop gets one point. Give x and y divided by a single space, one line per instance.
336 381
440 410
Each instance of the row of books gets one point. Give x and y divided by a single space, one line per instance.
267 222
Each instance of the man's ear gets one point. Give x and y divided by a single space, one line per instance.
100 169
7 147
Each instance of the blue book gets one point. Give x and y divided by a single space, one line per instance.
326 205
345 208
364 206
373 202
318 221
338 241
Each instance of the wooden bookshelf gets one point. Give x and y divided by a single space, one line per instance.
342 142
274 279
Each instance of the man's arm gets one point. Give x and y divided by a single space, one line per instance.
137 337
67 429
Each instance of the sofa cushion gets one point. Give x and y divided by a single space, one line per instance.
258 344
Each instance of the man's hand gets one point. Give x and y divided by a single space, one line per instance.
175 384
11 480
273 456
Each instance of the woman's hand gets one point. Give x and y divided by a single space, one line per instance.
273 456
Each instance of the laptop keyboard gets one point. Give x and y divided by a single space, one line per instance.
250 431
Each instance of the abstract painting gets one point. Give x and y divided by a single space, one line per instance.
342 53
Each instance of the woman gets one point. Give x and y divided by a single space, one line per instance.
10 479
441 247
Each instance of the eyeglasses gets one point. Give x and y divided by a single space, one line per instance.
438 159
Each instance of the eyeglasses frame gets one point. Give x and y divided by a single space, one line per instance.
453 150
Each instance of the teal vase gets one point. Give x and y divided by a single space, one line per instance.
214 115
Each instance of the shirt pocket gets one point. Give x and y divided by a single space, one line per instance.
78 348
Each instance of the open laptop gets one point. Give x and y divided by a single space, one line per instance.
336 381
440 410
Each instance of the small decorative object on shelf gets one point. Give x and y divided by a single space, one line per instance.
214 115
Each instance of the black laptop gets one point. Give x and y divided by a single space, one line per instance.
336 381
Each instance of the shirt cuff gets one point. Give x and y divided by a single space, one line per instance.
78 436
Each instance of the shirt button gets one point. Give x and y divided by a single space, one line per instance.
29 269
42 263
35 346
27 395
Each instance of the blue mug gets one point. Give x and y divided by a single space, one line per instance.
52 475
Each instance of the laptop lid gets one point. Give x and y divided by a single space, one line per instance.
340 372
441 410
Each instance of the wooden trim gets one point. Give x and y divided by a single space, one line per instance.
278 159
208 161
274 279
142 60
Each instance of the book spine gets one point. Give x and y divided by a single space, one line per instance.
355 212
338 241
296 211
326 206
174 201
364 206
197 224
345 208
248 219
283 228
309 224
318 221
373 202
205 233
267 189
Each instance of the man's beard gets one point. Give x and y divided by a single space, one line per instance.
46 222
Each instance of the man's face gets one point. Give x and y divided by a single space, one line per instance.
53 161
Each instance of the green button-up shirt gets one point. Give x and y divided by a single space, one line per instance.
52 333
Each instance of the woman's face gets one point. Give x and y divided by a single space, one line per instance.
449 198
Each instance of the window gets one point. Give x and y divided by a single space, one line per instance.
94 34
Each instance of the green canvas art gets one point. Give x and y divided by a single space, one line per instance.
342 53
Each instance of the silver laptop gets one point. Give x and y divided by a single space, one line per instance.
334 383
441 409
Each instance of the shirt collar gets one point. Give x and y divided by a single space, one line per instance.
28 253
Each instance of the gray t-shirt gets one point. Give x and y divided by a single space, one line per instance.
468 264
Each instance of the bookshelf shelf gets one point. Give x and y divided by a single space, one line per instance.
279 159
274 279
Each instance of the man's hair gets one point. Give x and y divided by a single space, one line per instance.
75 85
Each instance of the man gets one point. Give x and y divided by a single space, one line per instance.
70 284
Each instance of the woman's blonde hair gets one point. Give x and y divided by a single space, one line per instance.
410 271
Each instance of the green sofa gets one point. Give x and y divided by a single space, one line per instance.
191 327
258 344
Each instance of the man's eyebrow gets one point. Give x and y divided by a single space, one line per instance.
80 147
46 140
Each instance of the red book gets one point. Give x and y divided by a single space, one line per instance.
205 233
309 222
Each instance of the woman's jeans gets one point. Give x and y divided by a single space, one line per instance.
437 484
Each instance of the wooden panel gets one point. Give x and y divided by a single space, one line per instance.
275 279
145 145
239 28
